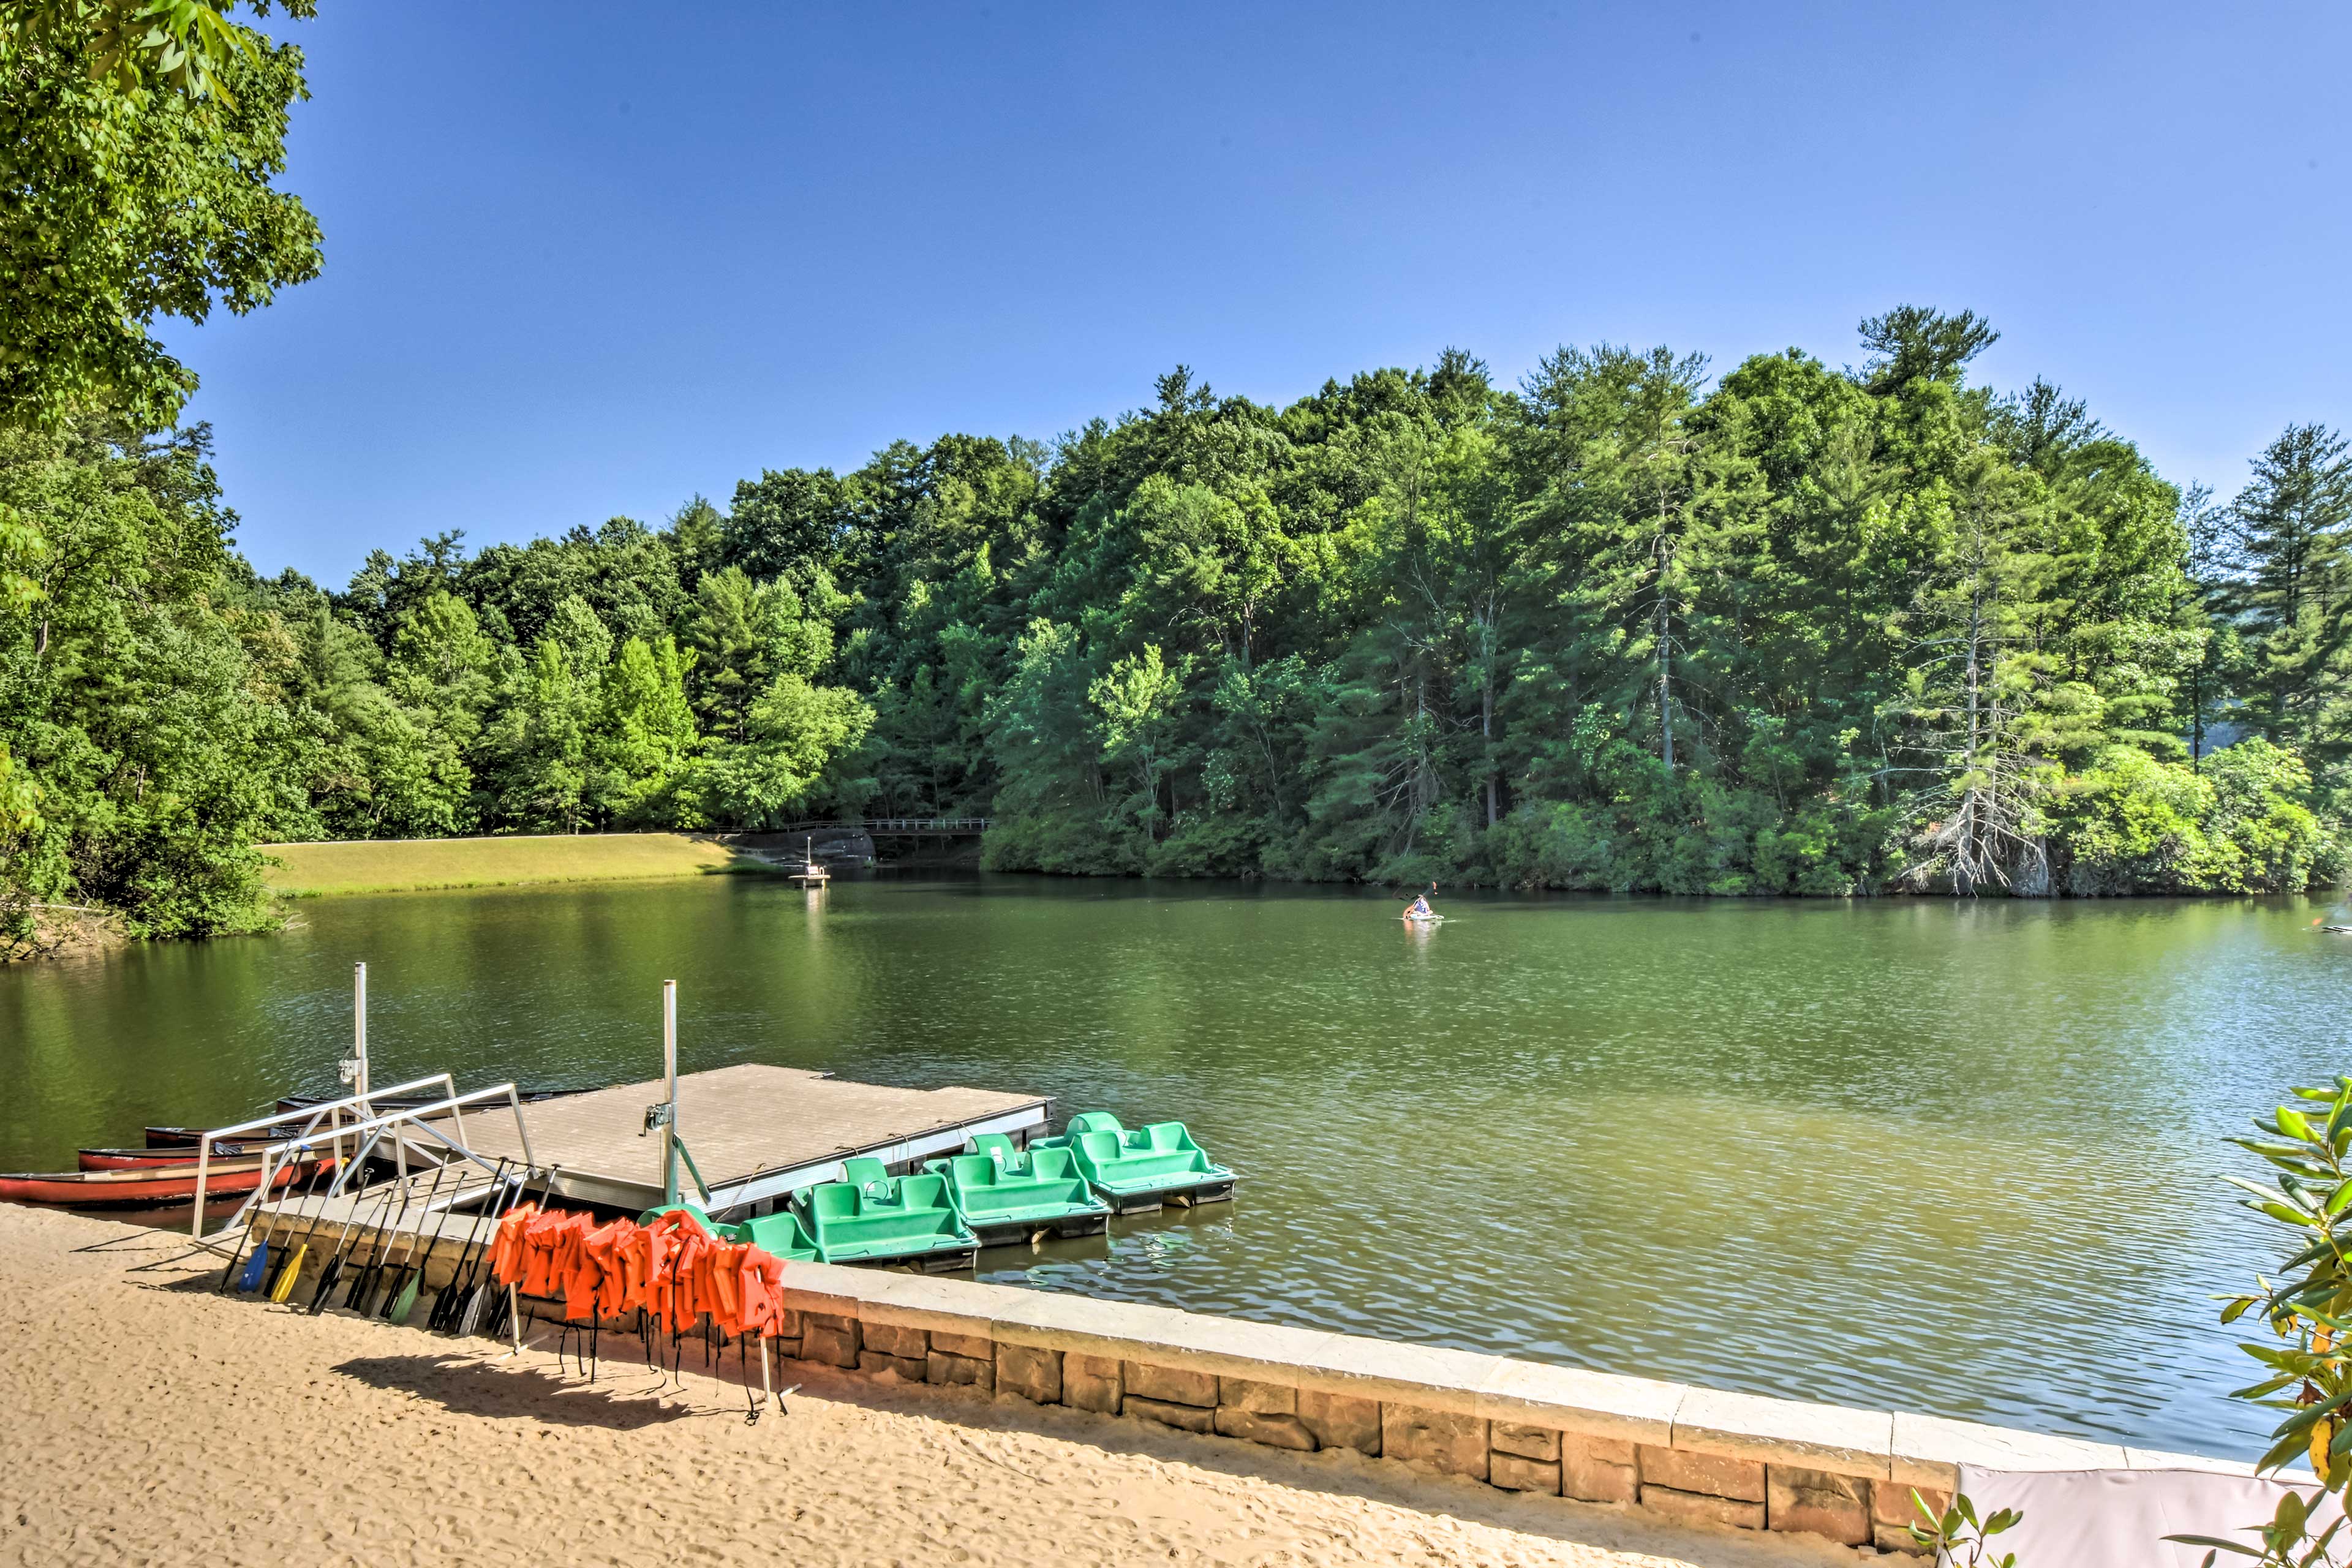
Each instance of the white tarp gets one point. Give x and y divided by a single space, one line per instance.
2119 1519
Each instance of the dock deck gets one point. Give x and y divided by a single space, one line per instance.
755 1132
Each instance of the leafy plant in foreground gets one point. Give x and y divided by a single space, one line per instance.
2309 1309
1947 1534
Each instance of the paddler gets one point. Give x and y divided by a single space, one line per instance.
1419 908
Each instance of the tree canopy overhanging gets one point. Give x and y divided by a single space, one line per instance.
1795 631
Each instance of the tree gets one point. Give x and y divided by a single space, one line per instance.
1136 703
1917 342
141 177
785 524
126 700
2290 531
644 732
540 742
1968 706
744 634
794 732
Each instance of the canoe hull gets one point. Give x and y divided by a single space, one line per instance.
158 1159
152 1187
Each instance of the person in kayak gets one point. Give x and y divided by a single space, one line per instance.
1419 908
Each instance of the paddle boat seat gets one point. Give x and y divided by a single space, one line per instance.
1142 1167
873 1217
1004 1193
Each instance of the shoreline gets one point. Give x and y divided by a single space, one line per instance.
274 1436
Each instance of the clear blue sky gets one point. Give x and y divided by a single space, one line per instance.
588 259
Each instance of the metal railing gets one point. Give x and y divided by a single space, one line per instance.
310 1138
893 824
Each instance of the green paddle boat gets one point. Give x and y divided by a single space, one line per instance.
874 1217
1007 1195
1137 1169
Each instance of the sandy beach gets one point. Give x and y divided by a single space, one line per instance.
155 1422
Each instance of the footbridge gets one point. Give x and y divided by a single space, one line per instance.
895 827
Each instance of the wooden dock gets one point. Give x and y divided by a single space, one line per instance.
755 1132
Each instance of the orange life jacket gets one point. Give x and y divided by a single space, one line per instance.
506 1253
603 1247
539 1240
727 1287
762 1277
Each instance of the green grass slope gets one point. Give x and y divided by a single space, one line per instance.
414 865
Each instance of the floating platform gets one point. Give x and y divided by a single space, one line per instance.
755 1132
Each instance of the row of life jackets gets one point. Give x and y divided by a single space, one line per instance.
673 1269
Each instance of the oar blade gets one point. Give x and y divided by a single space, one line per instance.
255 1267
290 1273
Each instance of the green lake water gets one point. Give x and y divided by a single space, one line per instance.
1951 1157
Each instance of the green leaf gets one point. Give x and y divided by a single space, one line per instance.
2291 1122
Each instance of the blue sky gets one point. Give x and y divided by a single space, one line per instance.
589 259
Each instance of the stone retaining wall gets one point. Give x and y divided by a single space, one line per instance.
1692 1453
1738 1460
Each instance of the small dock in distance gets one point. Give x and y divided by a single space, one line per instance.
755 1132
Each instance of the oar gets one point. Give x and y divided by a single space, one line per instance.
260 1260
356 1298
290 1266
446 1300
506 1304
465 1312
334 1269
468 1315
333 1273
379 1274
411 1273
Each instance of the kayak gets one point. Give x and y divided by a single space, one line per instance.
1423 920
145 1186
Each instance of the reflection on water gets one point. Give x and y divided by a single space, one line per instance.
1959 1158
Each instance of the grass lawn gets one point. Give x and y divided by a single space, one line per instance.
408 865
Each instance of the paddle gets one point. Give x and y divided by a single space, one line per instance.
355 1299
289 1266
334 1269
411 1272
445 1303
466 1313
490 1318
260 1260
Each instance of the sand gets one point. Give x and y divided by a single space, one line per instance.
151 1421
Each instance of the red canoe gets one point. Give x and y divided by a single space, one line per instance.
144 1187
147 1159
187 1138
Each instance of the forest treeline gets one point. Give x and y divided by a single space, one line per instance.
1626 625
1792 629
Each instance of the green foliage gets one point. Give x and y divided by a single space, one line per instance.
2306 1301
1792 632
1958 1538
125 695
130 203
2238 824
